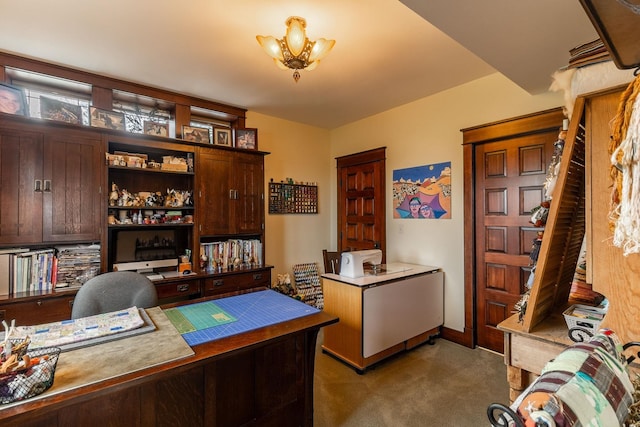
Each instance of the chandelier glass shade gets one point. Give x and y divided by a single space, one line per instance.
295 51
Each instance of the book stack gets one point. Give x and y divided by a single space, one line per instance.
588 54
77 264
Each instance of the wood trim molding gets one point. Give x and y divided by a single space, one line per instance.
463 338
532 123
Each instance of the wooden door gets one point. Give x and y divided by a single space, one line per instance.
361 201
72 182
509 183
20 187
213 171
249 193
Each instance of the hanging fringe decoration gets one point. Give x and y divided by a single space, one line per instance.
624 149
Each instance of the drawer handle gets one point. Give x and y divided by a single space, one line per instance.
257 276
218 282
183 288
39 302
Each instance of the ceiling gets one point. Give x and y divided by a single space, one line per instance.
387 52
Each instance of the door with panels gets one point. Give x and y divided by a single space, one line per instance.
509 183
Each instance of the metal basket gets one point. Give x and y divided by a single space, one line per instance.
26 383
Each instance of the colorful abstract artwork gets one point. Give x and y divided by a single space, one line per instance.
422 192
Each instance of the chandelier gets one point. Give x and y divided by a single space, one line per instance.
295 51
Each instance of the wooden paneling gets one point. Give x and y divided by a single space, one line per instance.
564 231
614 275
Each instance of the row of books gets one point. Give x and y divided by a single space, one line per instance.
229 252
27 270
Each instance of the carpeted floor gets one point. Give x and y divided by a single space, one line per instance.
433 385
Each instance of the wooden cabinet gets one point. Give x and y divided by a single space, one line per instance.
51 184
72 205
230 192
55 189
20 171
382 317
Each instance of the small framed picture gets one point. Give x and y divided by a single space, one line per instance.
155 128
53 109
12 100
193 134
247 138
106 119
222 137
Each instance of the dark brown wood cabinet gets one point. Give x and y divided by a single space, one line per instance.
230 192
73 205
20 172
55 186
55 182
51 184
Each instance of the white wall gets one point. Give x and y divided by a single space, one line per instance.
422 132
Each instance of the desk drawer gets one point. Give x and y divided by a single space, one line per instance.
236 282
38 311
178 289
253 279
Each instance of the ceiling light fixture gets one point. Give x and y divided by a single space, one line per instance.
295 51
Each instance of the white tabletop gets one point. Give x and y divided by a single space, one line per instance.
394 271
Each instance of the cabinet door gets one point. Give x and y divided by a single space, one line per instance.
249 190
20 187
72 196
213 171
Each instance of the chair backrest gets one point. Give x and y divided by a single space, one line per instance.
331 261
114 291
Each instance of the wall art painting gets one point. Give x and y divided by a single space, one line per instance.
422 192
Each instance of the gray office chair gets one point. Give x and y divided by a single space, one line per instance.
114 291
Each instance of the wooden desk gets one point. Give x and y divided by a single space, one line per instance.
526 353
261 377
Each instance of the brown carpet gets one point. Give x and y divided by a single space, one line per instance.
433 385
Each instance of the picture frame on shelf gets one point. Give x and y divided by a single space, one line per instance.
13 100
106 119
156 128
54 109
195 134
222 136
247 138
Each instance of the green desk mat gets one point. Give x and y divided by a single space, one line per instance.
196 317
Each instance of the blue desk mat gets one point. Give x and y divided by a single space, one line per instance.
252 311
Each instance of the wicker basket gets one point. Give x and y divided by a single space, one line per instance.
32 381
590 325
